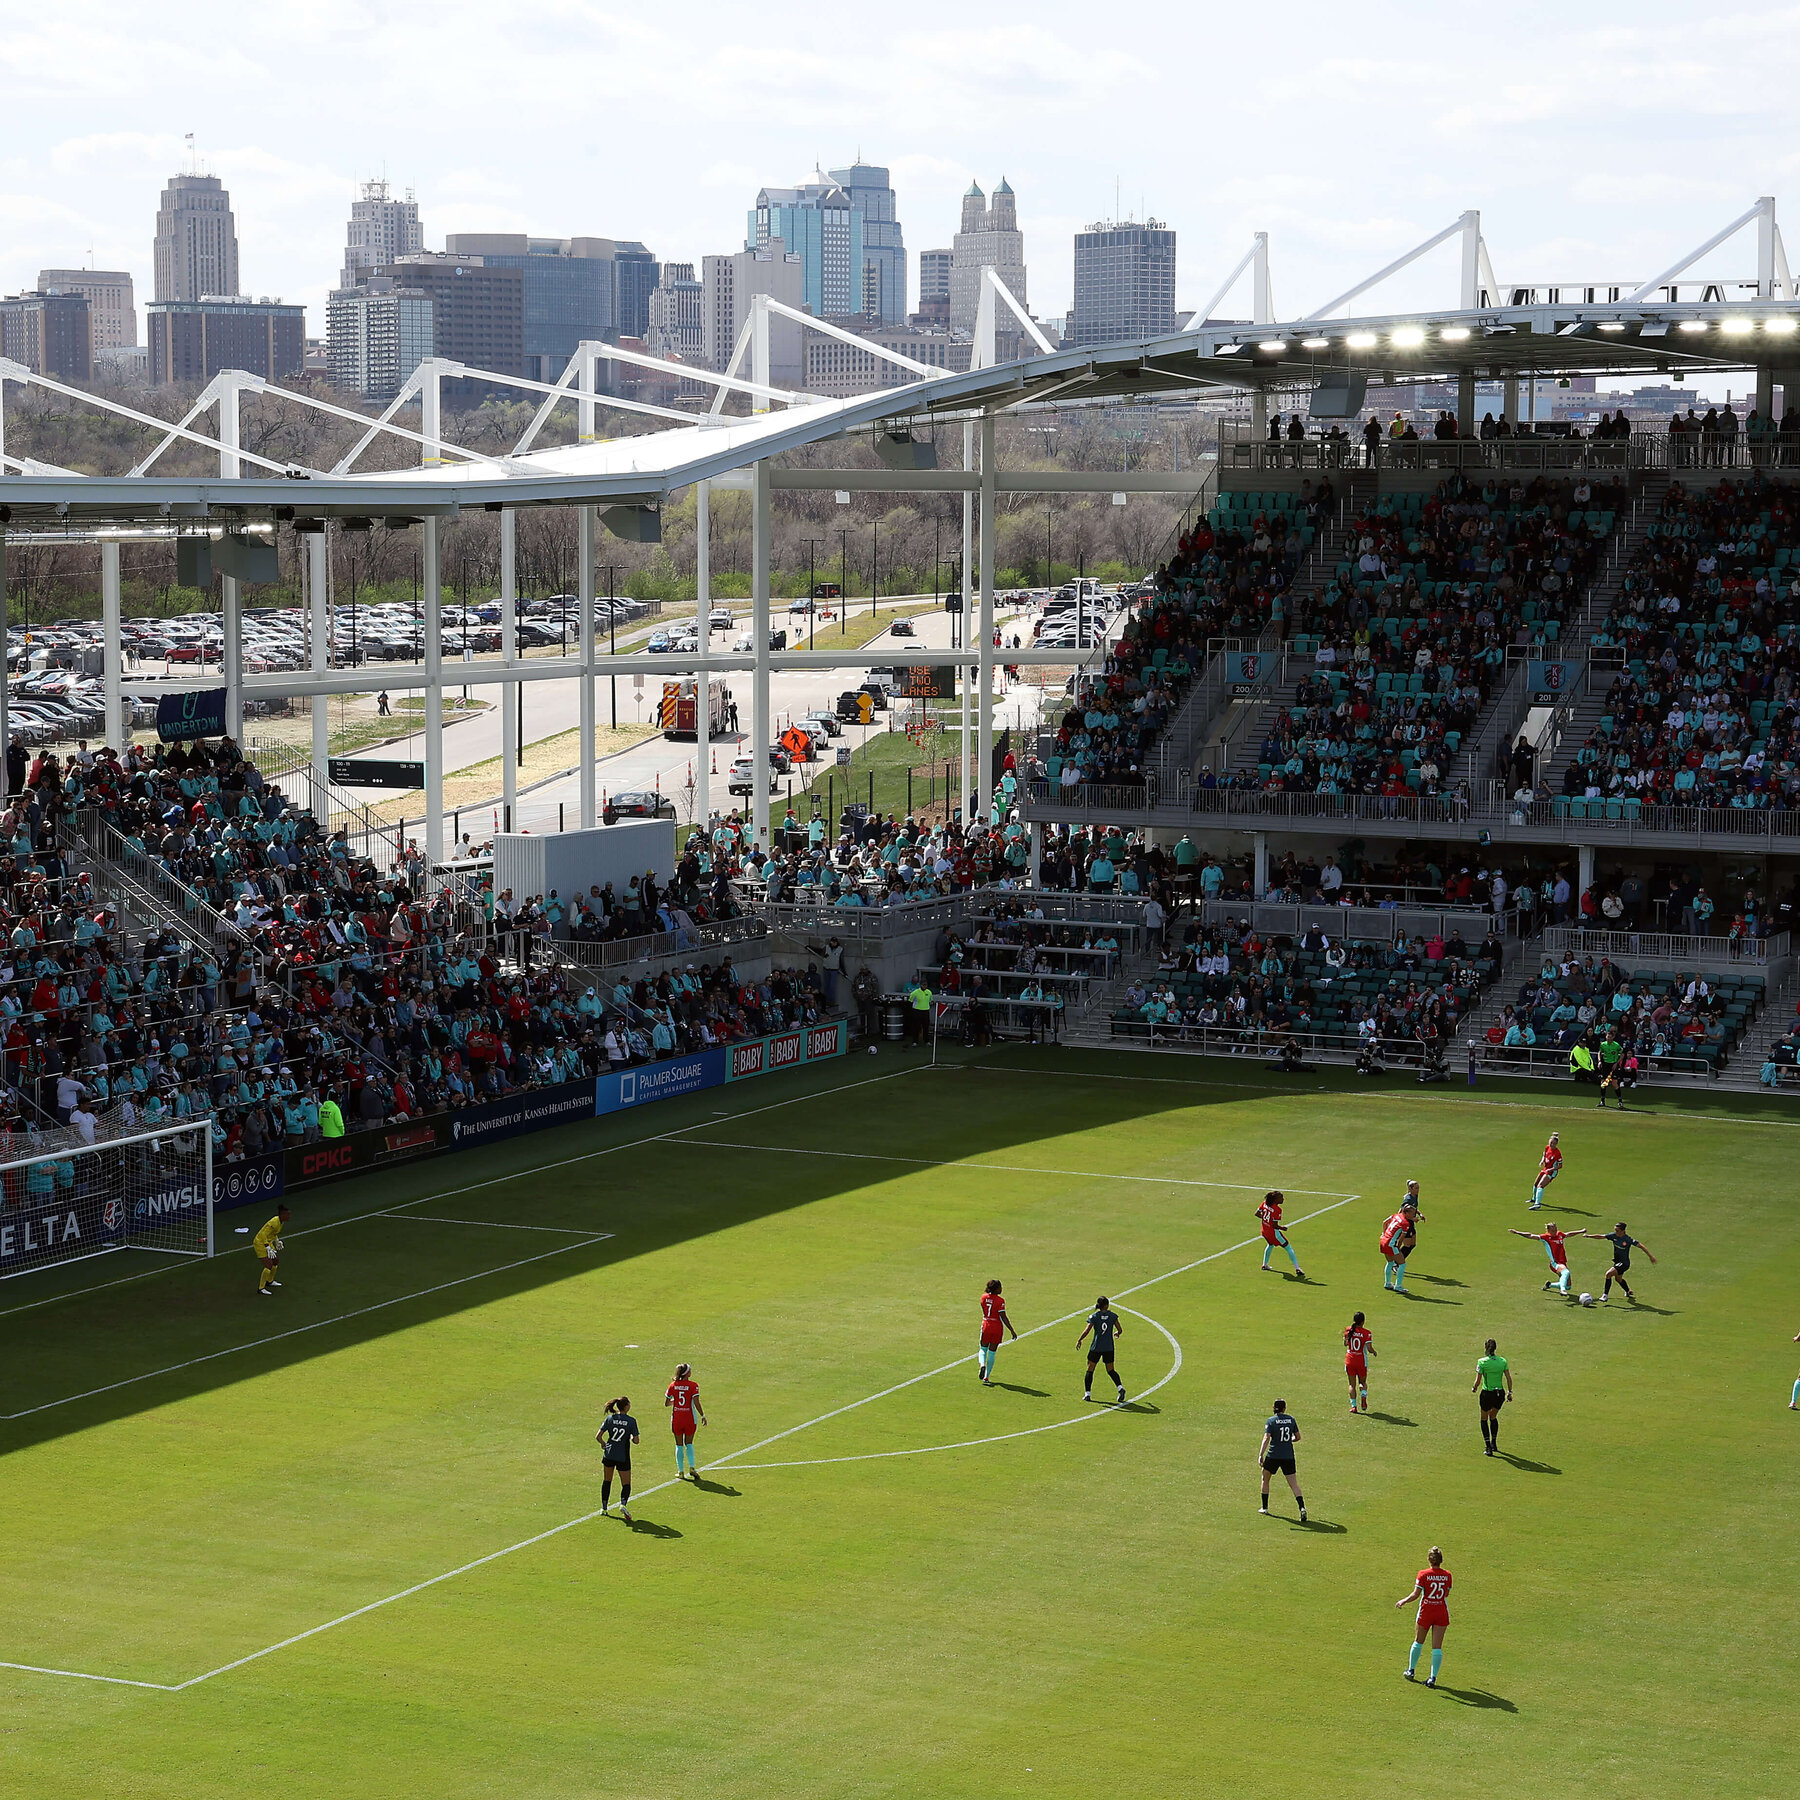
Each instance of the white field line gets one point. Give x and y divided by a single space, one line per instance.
399 1212
930 1162
1004 1437
731 1457
300 1330
473 1187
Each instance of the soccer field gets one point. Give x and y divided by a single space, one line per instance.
346 1543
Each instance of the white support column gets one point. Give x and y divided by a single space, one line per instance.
230 601
584 381
1509 399
1259 879
318 586
431 579
1262 298
431 418
1765 392
584 587
759 347
968 624
1259 413
1037 852
703 684
112 649
760 525
1584 863
509 652
984 728
1471 261
1465 403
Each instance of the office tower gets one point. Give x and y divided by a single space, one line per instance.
112 312
575 289
883 247
50 334
196 240
377 333
817 223
728 286
635 277
990 238
841 370
381 230
477 313
1124 282
676 328
192 340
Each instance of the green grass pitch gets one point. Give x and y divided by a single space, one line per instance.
1061 1598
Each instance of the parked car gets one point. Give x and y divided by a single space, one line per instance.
742 777
644 805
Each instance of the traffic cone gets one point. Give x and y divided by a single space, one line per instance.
715 762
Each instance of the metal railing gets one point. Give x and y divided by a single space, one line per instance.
612 953
1644 452
1673 948
1360 924
145 878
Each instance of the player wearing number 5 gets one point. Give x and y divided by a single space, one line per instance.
1431 1588
683 1401
267 1245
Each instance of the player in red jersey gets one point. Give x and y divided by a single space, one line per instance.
1555 1244
1431 1589
1359 1345
1398 1236
1269 1217
994 1325
1549 1167
683 1402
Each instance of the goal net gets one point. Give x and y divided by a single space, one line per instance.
147 1191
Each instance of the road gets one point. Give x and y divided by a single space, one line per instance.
658 763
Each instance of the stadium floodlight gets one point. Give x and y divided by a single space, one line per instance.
1612 324
1782 327
1693 324
1361 340
146 1191
1737 327
1454 334
1274 346
1315 343
1408 337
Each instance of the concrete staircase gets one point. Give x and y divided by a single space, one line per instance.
1742 1072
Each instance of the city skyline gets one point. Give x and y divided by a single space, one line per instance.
1631 136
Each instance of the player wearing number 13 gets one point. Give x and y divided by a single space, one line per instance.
267 1245
1431 1588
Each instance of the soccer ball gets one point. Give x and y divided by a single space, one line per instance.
1587 1299
873 1051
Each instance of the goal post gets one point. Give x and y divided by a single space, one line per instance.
151 1190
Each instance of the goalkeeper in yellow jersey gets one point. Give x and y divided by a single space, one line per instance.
267 1245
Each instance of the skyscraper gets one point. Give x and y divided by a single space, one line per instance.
817 223
990 238
196 240
112 311
51 334
677 326
883 247
1124 282
635 275
934 286
380 230
477 313
377 333
730 283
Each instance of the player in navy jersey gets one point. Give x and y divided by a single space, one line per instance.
615 1439
1280 1434
1623 1243
1103 1322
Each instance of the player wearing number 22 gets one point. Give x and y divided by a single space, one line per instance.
1431 1588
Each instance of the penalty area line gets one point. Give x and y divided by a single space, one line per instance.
300 1330
732 1458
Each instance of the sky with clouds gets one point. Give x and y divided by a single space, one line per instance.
1600 141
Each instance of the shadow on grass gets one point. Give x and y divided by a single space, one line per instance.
1476 1697
716 1487
1526 1465
1643 1306
1135 1406
1425 1299
1012 1387
650 1528
81 1346
1441 1280
1393 1419
1327 1527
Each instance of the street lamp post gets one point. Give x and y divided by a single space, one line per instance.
812 599
875 574
612 633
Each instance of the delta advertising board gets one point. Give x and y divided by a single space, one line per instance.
65 1223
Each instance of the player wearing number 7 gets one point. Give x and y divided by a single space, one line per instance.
267 1245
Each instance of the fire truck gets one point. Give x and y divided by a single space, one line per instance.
677 713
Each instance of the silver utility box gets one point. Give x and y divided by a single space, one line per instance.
573 861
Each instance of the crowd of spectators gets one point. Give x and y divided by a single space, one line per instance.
1706 708
1411 633
873 860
